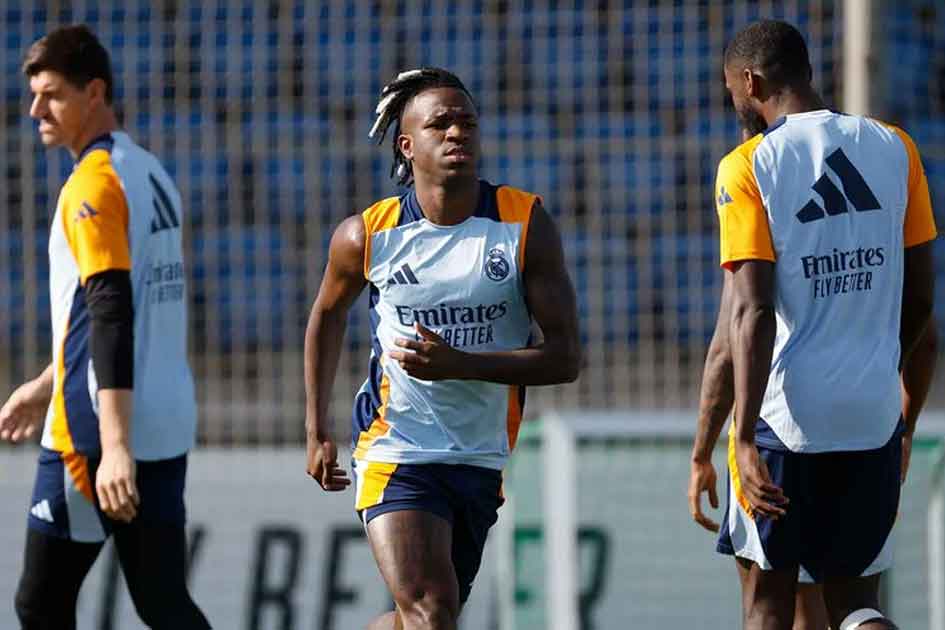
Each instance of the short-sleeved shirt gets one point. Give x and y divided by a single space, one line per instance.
833 201
119 210
465 283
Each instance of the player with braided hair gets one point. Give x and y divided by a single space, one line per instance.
453 291
394 97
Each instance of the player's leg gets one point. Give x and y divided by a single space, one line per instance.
859 499
853 603
53 571
413 551
810 612
756 541
152 549
154 561
450 508
767 596
64 537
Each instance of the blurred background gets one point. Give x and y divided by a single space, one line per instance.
614 112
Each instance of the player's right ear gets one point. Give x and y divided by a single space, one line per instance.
95 90
405 144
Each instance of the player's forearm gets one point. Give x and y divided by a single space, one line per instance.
114 418
545 364
716 396
323 338
42 385
918 293
917 376
753 332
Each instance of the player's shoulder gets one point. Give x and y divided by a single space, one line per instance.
381 215
512 191
742 156
94 174
898 132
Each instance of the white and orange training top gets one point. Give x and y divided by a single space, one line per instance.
119 210
465 283
832 200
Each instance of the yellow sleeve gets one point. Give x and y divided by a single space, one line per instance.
95 216
743 223
920 221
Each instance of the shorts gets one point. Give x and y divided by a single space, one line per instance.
467 496
842 508
64 502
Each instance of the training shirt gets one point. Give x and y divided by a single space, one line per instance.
832 200
465 283
119 210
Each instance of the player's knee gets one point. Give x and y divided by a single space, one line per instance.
33 611
175 613
866 619
429 609
26 603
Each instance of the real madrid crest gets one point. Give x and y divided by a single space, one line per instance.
497 267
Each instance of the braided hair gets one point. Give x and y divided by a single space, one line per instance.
390 109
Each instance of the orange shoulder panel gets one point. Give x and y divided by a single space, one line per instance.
515 206
381 216
95 216
743 222
919 226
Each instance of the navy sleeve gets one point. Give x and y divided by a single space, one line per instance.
111 332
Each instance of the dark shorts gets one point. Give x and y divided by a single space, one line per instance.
466 496
64 502
842 509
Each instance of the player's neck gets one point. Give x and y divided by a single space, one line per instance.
794 102
99 125
448 203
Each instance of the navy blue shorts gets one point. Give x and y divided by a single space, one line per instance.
842 508
467 496
64 502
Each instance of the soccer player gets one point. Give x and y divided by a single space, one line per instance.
826 226
118 396
715 406
453 289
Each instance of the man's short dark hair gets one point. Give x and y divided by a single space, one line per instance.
74 52
776 49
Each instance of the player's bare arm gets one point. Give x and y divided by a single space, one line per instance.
715 404
918 291
916 380
342 283
919 340
551 300
752 339
23 412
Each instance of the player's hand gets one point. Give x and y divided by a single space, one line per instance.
763 496
23 413
702 478
115 484
323 465
430 358
906 456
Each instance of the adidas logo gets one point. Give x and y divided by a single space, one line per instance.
855 190
164 216
42 511
404 276
86 212
724 197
